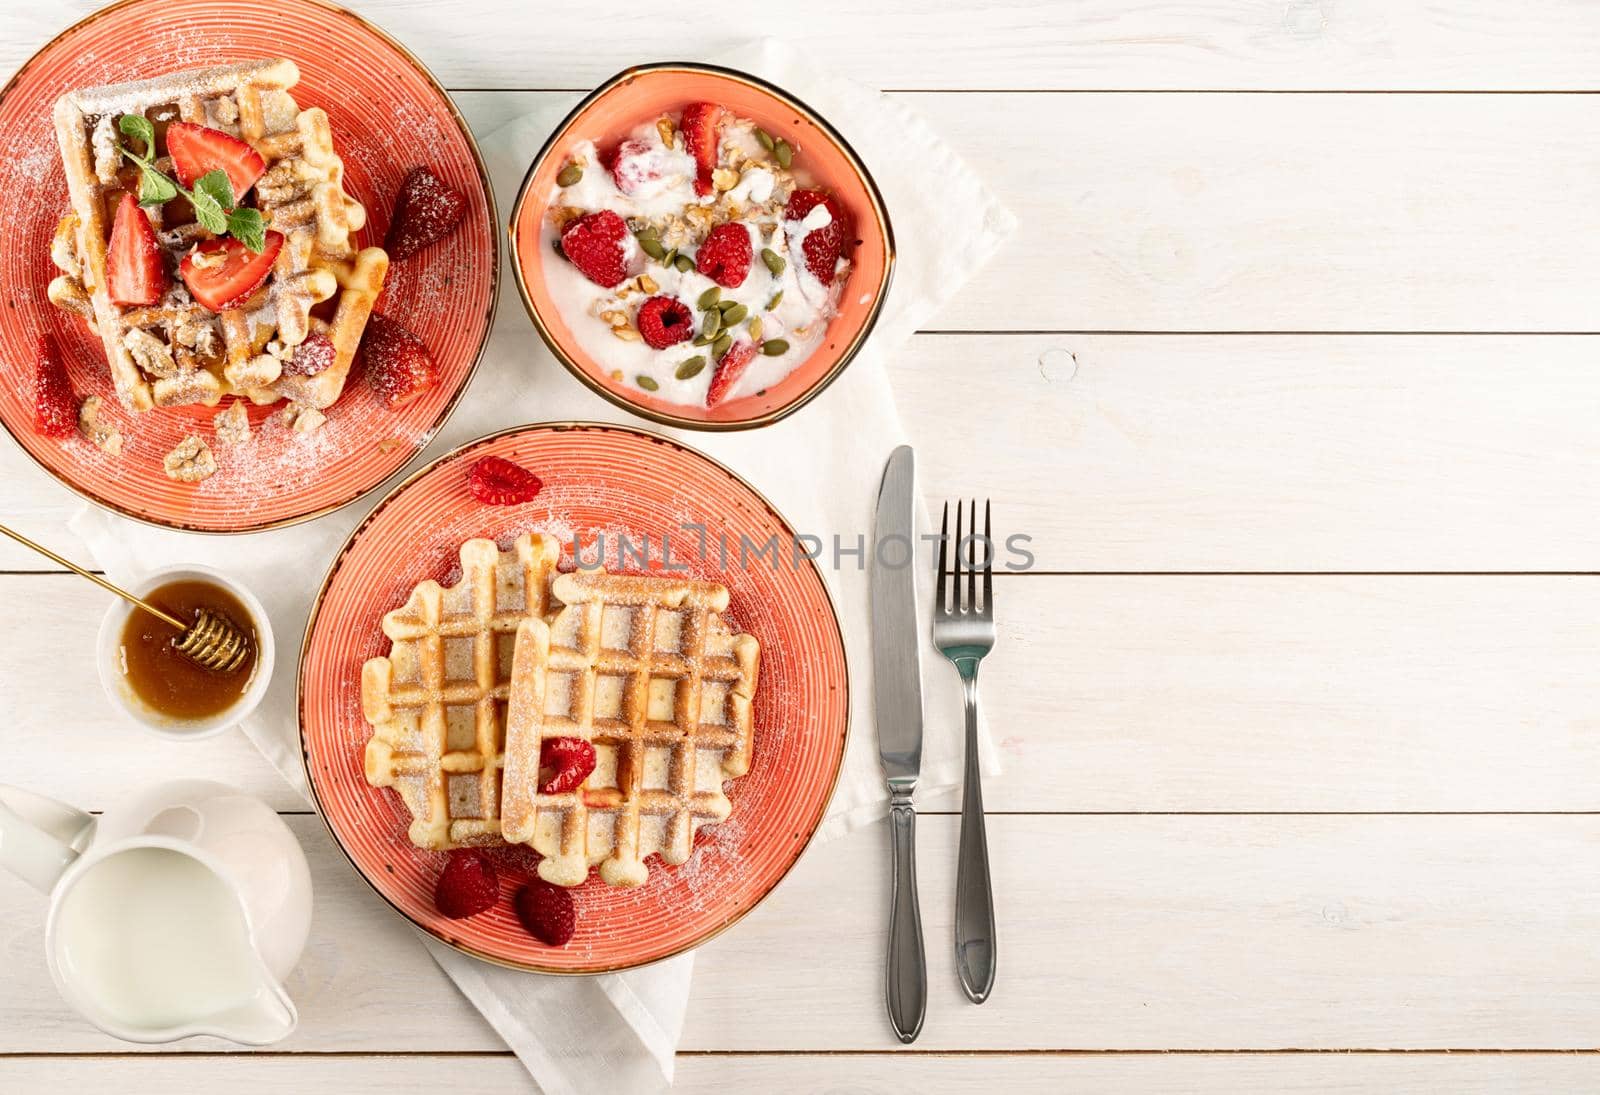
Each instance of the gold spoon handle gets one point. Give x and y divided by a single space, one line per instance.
95 578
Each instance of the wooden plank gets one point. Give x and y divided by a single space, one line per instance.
1105 694
1125 933
877 1074
1167 44
1222 453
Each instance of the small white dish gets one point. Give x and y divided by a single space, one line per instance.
108 659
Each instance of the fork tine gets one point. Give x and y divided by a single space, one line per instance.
988 563
944 535
972 560
960 525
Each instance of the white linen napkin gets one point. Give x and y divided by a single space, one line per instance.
619 1032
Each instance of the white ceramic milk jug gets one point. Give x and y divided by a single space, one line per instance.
180 912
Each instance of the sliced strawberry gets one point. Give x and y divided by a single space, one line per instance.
597 244
730 367
222 273
702 130
499 482
135 270
425 212
570 760
823 245
55 405
399 367
547 912
196 150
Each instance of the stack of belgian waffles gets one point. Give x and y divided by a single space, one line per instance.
483 674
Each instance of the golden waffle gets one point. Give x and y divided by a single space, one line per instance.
437 702
175 351
647 670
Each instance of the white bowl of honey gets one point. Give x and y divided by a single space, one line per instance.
156 686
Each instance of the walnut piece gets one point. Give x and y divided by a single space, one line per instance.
301 419
232 424
190 462
97 428
149 353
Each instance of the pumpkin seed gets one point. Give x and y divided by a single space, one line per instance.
670 257
734 315
569 175
755 327
684 263
652 247
720 347
648 383
691 367
782 150
775 262
774 347
712 324
776 297
726 306
704 340
709 298
765 138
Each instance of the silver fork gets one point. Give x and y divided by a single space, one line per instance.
963 630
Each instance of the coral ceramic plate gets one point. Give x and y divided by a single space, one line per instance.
616 481
388 115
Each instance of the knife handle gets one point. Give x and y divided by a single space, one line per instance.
908 970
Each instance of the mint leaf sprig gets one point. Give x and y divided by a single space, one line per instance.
215 207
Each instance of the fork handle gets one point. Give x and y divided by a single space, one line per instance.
907 986
975 935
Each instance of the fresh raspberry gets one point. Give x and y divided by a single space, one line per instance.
633 164
499 482
311 357
468 886
822 246
399 367
55 405
572 759
730 367
547 912
665 321
702 130
725 255
425 211
596 243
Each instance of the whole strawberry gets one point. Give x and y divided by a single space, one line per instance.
725 255
424 212
547 912
399 367
55 405
824 244
665 321
570 759
496 481
598 245
468 886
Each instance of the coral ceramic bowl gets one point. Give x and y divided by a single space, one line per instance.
825 160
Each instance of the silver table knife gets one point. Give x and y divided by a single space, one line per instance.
897 687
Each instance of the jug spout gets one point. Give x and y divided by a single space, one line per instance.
40 837
268 1016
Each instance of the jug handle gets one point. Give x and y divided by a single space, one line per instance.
39 837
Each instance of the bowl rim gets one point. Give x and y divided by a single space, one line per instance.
665 418
92 497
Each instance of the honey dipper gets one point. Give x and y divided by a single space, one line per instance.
212 641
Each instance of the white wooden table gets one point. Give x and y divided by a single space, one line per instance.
1301 709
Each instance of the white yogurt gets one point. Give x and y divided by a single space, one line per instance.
800 317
